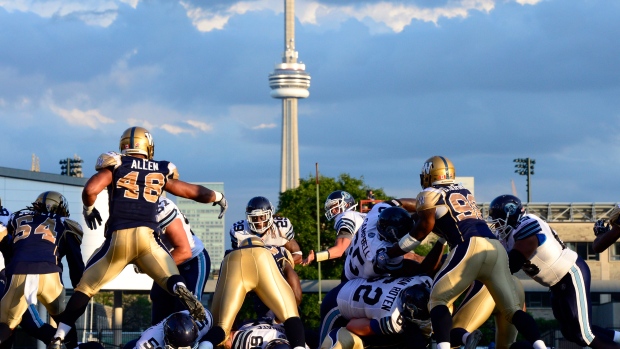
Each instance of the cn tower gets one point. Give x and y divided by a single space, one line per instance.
289 82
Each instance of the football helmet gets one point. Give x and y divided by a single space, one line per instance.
53 202
259 214
415 302
338 202
180 332
437 170
394 223
504 214
278 343
137 140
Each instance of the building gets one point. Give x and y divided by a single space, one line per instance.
206 225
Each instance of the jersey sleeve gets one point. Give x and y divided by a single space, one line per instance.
236 233
427 199
109 159
167 212
527 227
173 172
74 229
345 226
285 227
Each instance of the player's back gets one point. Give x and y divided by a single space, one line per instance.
136 186
34 242
457 217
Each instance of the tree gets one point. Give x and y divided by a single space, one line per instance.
300 206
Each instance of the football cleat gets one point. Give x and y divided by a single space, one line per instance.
473 339
196 310
56 343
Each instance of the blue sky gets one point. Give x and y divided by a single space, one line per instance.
393 83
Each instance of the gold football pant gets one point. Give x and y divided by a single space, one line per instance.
50 292
478 306
245 270
480 259
342 339
135 245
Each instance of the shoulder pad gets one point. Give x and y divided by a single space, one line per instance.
74 228
109 159
428 198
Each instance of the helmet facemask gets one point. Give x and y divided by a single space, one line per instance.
337 203
260 220
504 214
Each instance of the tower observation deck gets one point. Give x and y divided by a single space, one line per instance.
289 82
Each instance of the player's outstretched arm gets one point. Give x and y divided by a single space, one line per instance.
197 193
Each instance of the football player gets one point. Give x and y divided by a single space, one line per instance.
536 249
260 221
40 235
134 182
253 266
188 253
384 225
475 310
449 210
341 206
607 232
378 310
177 330
262 334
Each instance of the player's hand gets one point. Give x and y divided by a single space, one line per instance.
92 217
601 227
383 262
308 259
223 206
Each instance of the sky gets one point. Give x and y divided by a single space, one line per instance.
481 82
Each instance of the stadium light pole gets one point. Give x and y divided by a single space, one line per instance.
71 167
525 167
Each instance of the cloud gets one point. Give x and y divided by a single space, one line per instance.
91 118
100 13
202 126
263 126
393 15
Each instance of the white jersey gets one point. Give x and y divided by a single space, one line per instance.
377 299
255 336
153 337
348 223
365 245
167 212
280 232
551 260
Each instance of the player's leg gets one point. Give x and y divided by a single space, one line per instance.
12 306
474 310
341 338
330 315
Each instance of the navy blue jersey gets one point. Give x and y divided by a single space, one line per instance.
457 217
34 239
136 186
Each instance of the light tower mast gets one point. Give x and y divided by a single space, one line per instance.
289 81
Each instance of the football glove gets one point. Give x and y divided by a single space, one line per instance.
384 264
92 217
601 227
223 206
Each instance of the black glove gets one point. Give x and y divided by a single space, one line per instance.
223 206
384 264
92 217
601 227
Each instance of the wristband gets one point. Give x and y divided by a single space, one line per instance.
299 253
218 196
408 243
88 209
322 256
